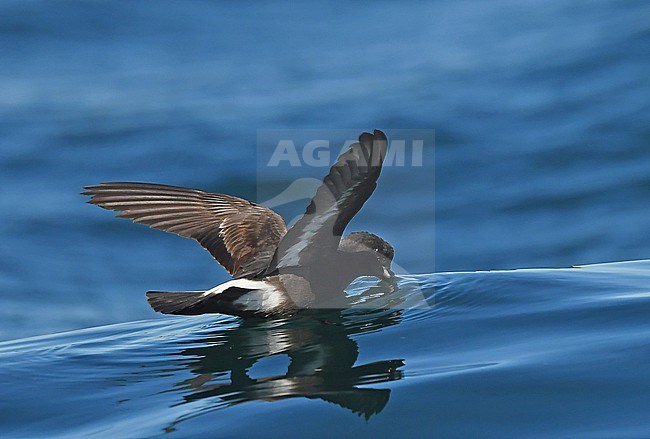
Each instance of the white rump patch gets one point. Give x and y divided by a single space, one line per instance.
262 297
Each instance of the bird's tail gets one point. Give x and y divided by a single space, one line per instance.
191 303
186 303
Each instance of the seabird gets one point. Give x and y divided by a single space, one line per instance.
274 270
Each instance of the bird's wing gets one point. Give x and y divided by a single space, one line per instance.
241 235
350 182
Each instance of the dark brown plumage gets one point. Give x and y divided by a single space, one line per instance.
349 184
241 235
275 270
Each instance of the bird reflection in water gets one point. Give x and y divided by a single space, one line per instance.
321 352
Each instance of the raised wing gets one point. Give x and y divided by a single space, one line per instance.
350 182
241 235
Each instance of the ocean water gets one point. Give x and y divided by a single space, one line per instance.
541 160
534 353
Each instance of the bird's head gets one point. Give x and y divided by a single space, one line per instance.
371 245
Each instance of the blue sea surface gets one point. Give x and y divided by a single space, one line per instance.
523 353
541 160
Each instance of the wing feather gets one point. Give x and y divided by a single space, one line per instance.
349 184
241 235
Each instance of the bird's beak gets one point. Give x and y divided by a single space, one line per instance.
388 275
